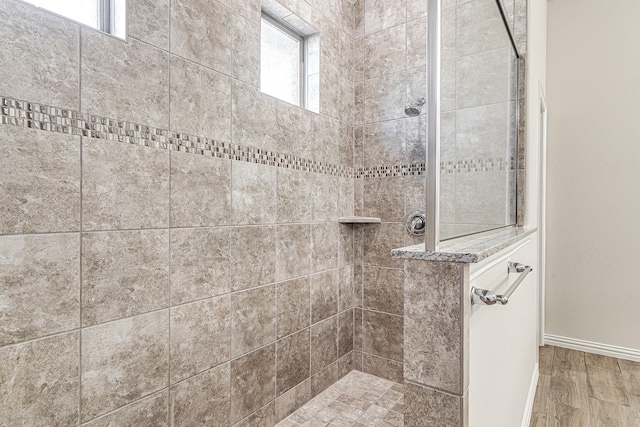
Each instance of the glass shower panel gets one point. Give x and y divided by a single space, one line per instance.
478 121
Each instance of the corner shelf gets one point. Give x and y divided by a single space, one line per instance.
358 220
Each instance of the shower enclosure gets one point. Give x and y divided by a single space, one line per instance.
472 147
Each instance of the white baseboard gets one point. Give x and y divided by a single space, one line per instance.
593 347
528 409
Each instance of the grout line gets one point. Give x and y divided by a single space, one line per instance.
80 233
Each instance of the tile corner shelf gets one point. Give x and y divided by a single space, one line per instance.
358 220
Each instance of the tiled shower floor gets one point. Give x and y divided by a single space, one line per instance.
357 400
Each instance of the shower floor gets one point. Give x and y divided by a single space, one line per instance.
357 400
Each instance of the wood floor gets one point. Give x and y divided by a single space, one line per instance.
586 390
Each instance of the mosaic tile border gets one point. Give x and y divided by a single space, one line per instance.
53 119
43 117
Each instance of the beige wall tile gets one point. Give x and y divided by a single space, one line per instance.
200 263
425 407
150 411
348 295
40 278
124 273
380 14
293 251
252 382
380 240
26 368
382 335
200 33
293 310
200 336
40 174
324 295
384 198
263 417
133 350
293 399
383 290
24 31
292 361
324 344
124 186
253 256
148 21
245 52
253 315
323 379
203 399
200 100
384 143
324 246
253 117
345 333
253 193
383 368
133 85
386 52
200 190
294 197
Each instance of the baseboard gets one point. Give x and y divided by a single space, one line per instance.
593 347
528 409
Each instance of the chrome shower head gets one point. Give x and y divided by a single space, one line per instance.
413 109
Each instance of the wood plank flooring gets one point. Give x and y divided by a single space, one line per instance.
577 389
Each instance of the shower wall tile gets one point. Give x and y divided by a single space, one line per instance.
148 21
381 14
385 52
416 139
245 50
418 9
384 98
200 264
345 333
383 368
324 204
448 85
297 130
347 293
324 246
480 198
293 306
383 290
253 117
203 399
427 407
384 198
200 190
249 9
324 295
24 368
323 379
417 43
293 399
481 132
293 251
384 143
324 344
253 319
253 379
135 350
34 167
24 31
124 186
482 78
200 33
435 346
380 240
137 78
479 28
253 193
200 336
294 196
382 335
39 274
263 417
200 100
346 196
449 34
124 273
253 256
292 361
148 411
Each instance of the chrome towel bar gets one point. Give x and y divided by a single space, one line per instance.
490 298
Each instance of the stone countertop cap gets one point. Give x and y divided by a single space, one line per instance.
467 249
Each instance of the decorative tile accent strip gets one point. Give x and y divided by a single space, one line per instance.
37 116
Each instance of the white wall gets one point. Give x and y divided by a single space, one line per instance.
593 205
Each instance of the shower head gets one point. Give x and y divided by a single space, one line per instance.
413 109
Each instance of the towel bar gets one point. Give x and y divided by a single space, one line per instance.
490 298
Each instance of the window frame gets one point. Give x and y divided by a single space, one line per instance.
295 34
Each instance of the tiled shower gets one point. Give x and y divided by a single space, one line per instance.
170 250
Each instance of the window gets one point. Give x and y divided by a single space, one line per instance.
104 15
289 58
